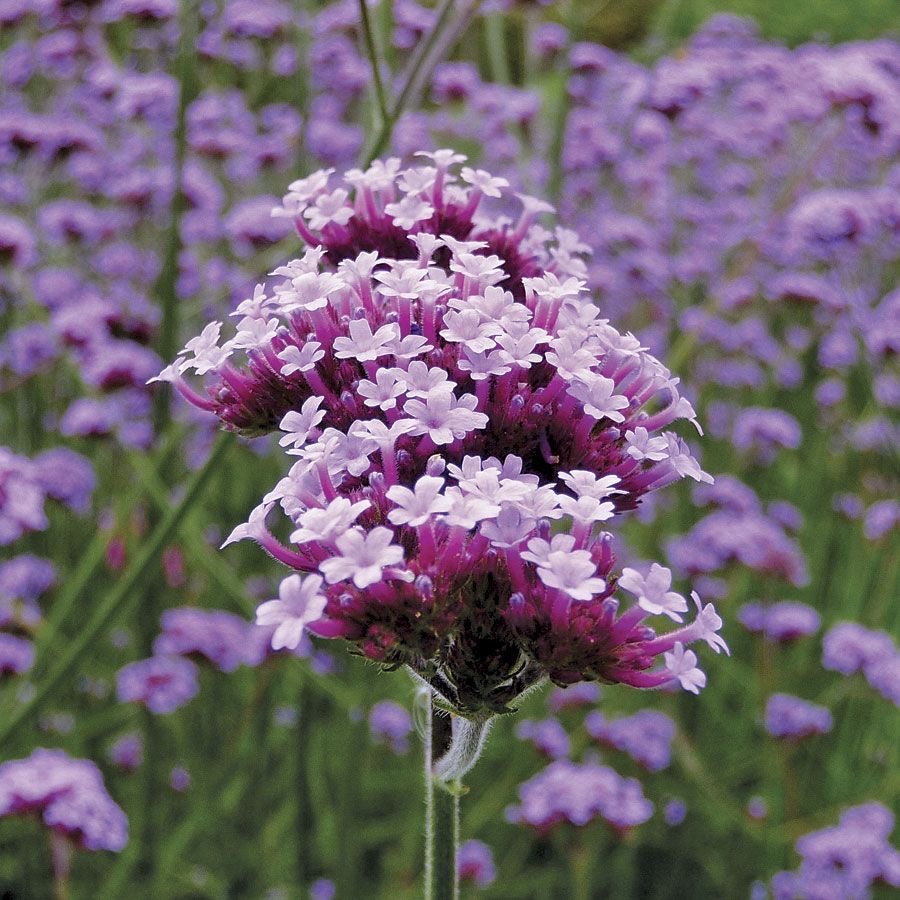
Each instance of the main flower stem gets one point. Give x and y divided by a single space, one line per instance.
441 817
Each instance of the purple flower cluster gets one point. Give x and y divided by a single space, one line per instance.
69 795
849 648
579 793
449 391
26 485
792 718
846 860
645 736
741 531
162 683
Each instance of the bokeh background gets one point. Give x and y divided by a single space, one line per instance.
737 181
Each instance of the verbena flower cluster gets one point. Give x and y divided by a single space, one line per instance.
464 422
68 794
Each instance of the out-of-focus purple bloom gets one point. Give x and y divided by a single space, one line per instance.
66 476
884 675
16 655
161 683
578 793
849 647
764 431
179 779
17 243
645 736
21 497
846 860
675 812
780 622
881 518
548 736
28 349
791 717
584 693
127 752
391 723
322 889
220 637
26 577
68 793
757 808
475 864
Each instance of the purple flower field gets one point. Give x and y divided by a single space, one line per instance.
387 383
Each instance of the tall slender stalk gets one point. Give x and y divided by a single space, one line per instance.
68 657
374 59
428 52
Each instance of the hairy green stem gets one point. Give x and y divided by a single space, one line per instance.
441 815
69 656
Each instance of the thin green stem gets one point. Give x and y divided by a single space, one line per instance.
374 59
107 608
498 57
166 284
420 67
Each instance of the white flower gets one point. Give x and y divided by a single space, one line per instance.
653 591
329 208
596 393
587 484
207 354
509 528
707 625
467 327
539 550
641 446
484 181
298 425
682 461
415 507
363 344
683 666
300 359
443 159
586 510
444 417
254 332
329 523
422 380
363 557
408 211
384 391
572 572
299 603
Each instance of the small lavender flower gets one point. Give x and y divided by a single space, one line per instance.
645 736
793 718
179 779
548 736
578 793
475 864
391 723
127 752
69 795
161 683
675 812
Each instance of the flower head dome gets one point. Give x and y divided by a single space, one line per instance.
464 425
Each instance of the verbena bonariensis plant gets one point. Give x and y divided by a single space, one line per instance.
464 422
